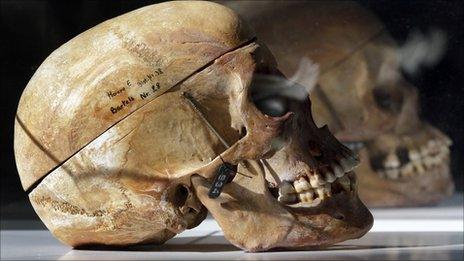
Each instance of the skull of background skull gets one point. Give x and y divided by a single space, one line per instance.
121 130
361 95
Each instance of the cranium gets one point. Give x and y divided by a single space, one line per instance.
360 94
121 131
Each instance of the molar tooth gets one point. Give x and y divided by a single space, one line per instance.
345 182
329 177
392 161
306 196
338 171
301 185
316 180
286 188
392 173
348 164
287 198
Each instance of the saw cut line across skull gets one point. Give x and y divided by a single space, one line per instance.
361 94
122 130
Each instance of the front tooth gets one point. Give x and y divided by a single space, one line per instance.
306 196
301 185
287 198
414 155
428 162
329 177
286 188
419 167
345 182
407 170
392 173
424 151
338 171
316 180
392 161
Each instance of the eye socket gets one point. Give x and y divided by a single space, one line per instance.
271 94
274 106
387 99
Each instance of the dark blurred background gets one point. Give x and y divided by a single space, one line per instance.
33 29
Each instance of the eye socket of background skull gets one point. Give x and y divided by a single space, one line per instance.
225 174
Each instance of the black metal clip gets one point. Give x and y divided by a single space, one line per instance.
225 174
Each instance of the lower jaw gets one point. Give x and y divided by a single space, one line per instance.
337 219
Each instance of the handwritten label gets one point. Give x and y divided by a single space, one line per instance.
129 84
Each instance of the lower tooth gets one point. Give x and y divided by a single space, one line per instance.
392 173
321 193
345 182
287 199
419 167
306 196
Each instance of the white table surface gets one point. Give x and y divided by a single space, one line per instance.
433 233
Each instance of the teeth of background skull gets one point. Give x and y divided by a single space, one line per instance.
306 196
329 177
407 170
345 183
338 171
428 161
392 161
392 173
286 188
414 155
316 181
287 198
418 166
301 185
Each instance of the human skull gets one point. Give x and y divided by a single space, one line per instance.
121 131
360 95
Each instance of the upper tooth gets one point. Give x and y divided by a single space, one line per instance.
407 170
329 177
338 171
286 188
316 180
414 155
301 185
348 164
392 161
